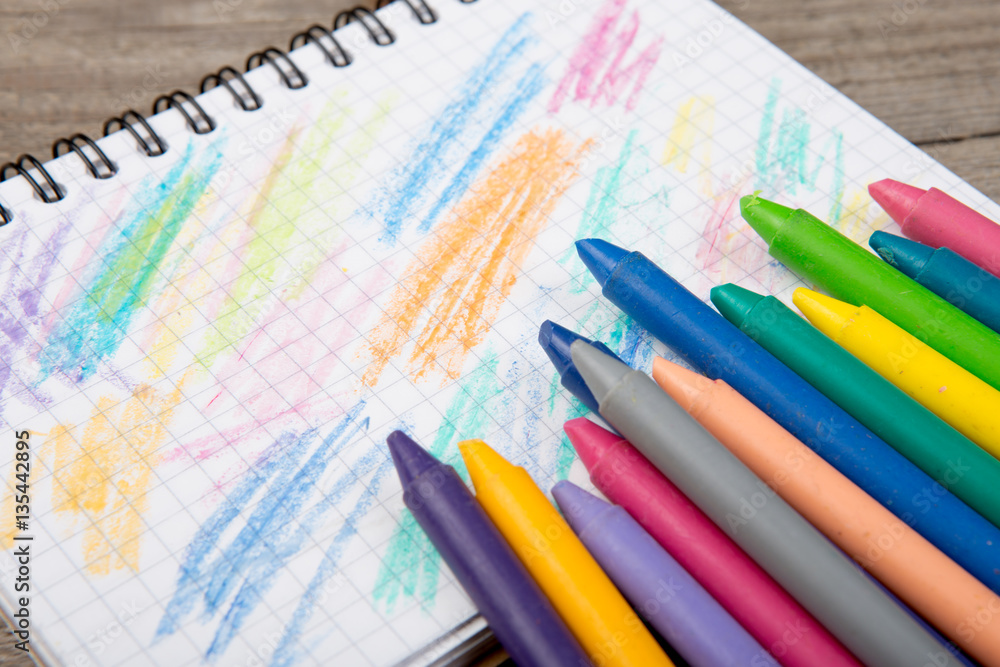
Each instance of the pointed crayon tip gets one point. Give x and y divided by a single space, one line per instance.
590 440
897 199
411 460
765 216
600 257
683 385
824 312
600 371
578 506
909 257
556 341
734 302
481 461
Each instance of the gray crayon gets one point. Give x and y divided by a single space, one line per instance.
799 558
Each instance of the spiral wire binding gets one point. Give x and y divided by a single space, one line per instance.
153 145
74 144
200 123
249 102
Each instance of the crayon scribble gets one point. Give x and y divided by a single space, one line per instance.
692 130
461 137
124 281
228 572
597 71
629 190
786 158
464 272
103 473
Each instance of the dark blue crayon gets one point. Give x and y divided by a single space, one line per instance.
555 340
517 611
946 273
721 351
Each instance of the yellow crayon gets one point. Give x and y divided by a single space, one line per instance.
954 394
596 613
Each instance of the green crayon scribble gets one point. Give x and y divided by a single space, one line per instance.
289 234
617 189
411 565
783 161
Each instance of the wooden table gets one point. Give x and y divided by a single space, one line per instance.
929 68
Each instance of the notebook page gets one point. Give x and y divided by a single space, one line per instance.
209 349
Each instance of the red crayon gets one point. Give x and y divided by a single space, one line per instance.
750 595
939 220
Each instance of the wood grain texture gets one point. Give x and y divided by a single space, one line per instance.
929 68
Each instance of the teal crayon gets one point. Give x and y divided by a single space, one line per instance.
946 273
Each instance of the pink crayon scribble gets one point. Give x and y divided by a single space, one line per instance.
597 67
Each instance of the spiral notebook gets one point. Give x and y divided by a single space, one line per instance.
211 318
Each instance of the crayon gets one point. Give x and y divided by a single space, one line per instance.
946 273
555 340
719 350
596 613
822 255
799 558
517 611
932 584
684 614
753 598
943 387
954 461
939 220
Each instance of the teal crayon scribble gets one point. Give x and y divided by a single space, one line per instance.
411 566
618 189
783 154
98 319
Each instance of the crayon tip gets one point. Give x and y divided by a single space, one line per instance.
897 199
556 341
481 461
909 257
411 460
734 302
600 257
683 385
590 440
824 312
579 507
600 371
765 216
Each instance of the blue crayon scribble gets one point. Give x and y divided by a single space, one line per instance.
121 285
783 154
231 579
473 119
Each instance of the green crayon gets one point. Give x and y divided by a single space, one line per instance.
950 458
824 256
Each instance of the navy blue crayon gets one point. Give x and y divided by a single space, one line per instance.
946 273
721 351
518 612
555 340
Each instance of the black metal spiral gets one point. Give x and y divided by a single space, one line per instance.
153 145
104 168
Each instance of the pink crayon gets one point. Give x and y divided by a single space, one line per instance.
748 593
939 220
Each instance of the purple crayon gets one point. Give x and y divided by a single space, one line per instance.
518 612
683 612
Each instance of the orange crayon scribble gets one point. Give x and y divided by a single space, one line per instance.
103 470
464 272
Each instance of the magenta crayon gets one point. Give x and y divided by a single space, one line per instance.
517 611
749 594
676 605
939 220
